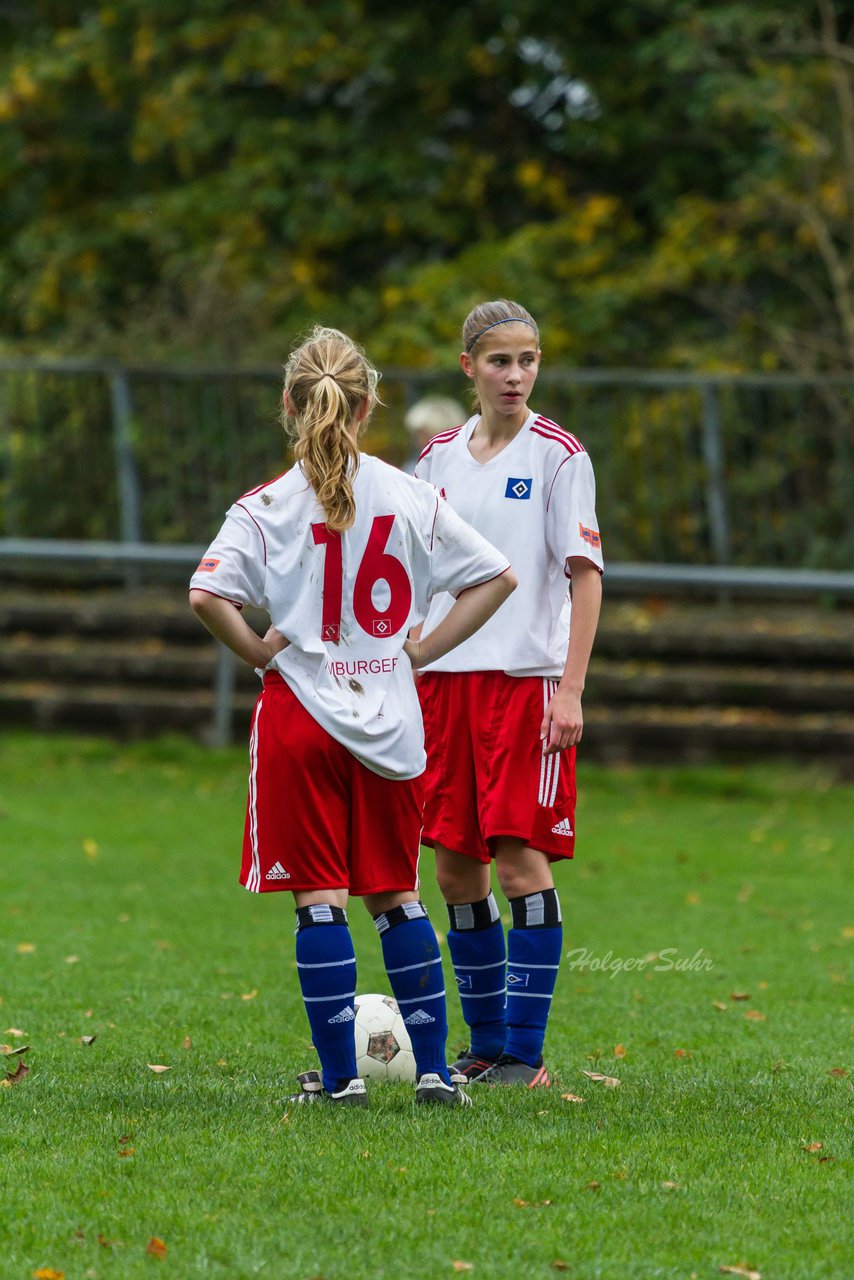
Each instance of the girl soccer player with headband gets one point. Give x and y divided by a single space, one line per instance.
345 553
502 713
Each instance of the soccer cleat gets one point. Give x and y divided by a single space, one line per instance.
509 1070
431 1089
468 1066
354 1094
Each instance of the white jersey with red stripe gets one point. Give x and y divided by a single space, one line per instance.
536 502
347 601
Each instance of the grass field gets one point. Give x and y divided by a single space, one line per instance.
723 1146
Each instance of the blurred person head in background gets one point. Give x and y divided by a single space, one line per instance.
426 418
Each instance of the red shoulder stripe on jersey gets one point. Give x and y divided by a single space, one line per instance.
256 524
553 426
444 437
569 442
259 487
547 424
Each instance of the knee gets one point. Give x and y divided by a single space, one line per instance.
517 880
512 881
461 879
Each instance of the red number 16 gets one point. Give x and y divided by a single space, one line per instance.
376 565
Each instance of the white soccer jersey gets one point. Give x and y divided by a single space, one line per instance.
536 502
347 601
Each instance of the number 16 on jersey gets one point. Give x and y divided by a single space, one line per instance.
376 565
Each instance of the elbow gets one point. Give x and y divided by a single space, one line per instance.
198 602
509 582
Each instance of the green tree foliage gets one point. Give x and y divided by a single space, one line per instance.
669 182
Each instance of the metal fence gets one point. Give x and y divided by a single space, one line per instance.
751 471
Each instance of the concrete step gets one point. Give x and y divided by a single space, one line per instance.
139 660
614 732
112 708
149 661
768 634
655 733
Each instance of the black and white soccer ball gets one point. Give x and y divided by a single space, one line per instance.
383 1047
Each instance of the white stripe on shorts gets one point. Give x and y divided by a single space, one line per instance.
549 765
253 880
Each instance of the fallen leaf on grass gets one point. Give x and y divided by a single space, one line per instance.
593 1186
250 995
156 1248
48 1273
754 1015
157 1067
572 1097
462 1266
559 1265
682 1053
16 1076
88 1039
15 1032
72 959
127 1151
813 1146
531 1204
838 1072
670 1186
107 1244
719 1004
747 1272
619 1051
9 1052
187 1043
610 1082
739 995
24 948
90 847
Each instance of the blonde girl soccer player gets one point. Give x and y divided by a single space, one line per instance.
502 713
344 553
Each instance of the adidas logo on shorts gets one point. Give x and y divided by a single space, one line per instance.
418 1019
345 1015
277 872
562 828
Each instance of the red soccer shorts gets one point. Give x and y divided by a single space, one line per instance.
316 818
486 772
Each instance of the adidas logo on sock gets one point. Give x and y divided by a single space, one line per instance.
562 828
277 872
418 1019
344 1015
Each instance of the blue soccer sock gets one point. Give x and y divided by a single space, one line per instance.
476 943
326 963
414 967
534 946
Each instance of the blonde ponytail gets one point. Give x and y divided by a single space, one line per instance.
328 380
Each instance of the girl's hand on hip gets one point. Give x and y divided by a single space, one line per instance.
275 642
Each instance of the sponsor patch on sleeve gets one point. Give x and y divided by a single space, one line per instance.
590 536
207 566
